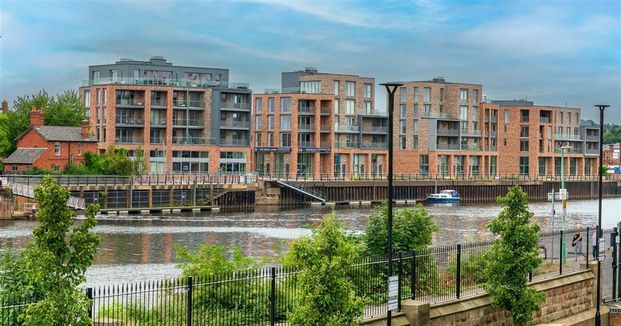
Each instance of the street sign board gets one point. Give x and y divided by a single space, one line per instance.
602 246
564 194
557 196
393 293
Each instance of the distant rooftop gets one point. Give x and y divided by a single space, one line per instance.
153 61
438 80
521 102
310 70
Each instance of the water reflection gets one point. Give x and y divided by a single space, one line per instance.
147 241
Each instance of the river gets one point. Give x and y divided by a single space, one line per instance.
141 247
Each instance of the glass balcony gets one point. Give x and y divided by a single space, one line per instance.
235 124
346 145
306 109
567 137
129 121
190 141
592 138
234 142
348 128
375 129
128 140
306 127
227 105
188 123
306 143
453 147
187 103
164 82
448 132
471 147
374 145
471 132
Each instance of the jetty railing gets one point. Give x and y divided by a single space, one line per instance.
268 296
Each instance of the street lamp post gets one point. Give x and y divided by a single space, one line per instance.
391 88
563 247
601 107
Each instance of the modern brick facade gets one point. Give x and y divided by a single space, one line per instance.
612 154
320 124
185 119
50 147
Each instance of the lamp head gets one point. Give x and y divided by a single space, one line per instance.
391 87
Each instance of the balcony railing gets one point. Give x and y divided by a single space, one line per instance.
306 143
544 119
592 138
346 145
128 140
431 114
306 109
190 141
326 128
158 123
157 140
348 128
235 124
376 129
187 122
592 151
448 132
187 103
374 145
164 82
471 147
234 105
306 127
567 137
448 146
471 132
326 111
158 103
573 150
376 113
131 121
234 142
128 102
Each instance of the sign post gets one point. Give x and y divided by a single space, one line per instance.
393 293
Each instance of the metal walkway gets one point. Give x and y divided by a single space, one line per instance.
28 192
303 190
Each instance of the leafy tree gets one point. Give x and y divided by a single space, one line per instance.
113 162
512 256
139 162
211 260
50 269
612 134
5 141
326 294
412 230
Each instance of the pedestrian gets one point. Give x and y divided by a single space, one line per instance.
594 237
577 241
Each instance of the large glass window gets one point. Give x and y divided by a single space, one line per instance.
475 165
463 95
258 122
368 90
258 105
350 107
427 94
285 122
463 112
336 87
416 96
270 105
312 87
270 122
285 139
423 165
524 165
350 89
285 105
403 94
443 165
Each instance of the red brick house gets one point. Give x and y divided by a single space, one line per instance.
50 147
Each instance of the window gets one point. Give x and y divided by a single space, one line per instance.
402 127
423 163
114 74
415 110
427 110
285 105
506 113
442 94
402 144
524 145
367 107
350 106
96 75
568 118
79 149
524 165
14 167
336 87
285 122
270 122
475 95
258 105
403 94
560 118
136 74
416 98
427 94
350 89
524 132
270 104
257 139
57 148
542 166
336 106
312 87
56 167
270 139
415 126
103 97
492 166
463 95
415 142
368 90
258 123
87 99
403 113
285 140
463 112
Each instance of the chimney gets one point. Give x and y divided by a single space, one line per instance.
36 117
5 107
85 129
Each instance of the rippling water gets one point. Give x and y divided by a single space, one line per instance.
140 247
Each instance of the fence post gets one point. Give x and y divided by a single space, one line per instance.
458 276
560 254
613 244
273 297
89 295
413 275
530 276
618 243
399 272
189 303
588 248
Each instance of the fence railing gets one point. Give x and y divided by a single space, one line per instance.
267 296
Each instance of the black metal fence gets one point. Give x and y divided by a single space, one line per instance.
267 296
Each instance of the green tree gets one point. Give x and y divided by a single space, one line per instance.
65 109
412 230
51 267
512 256
326 294
6 143
612 134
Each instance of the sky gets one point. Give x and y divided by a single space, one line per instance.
559 52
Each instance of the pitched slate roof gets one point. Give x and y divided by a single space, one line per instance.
24 156
59 133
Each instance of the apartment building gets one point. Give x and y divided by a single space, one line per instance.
184 119
530 139
320 124
612 155
438 129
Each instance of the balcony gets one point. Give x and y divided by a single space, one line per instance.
158 123
348 128
471 147
306 143
471 132
326 111
448 132
234 124
234 142
326 144
129 122
544 119
325 128
567 137
130 103
304 109
346 145
592 138
234 106
591 151
376 114
303 127
452 147
374 145
157 140
573 150
128 140
189 141
374 129
187 104
190 123
431 114
158 103
164 82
